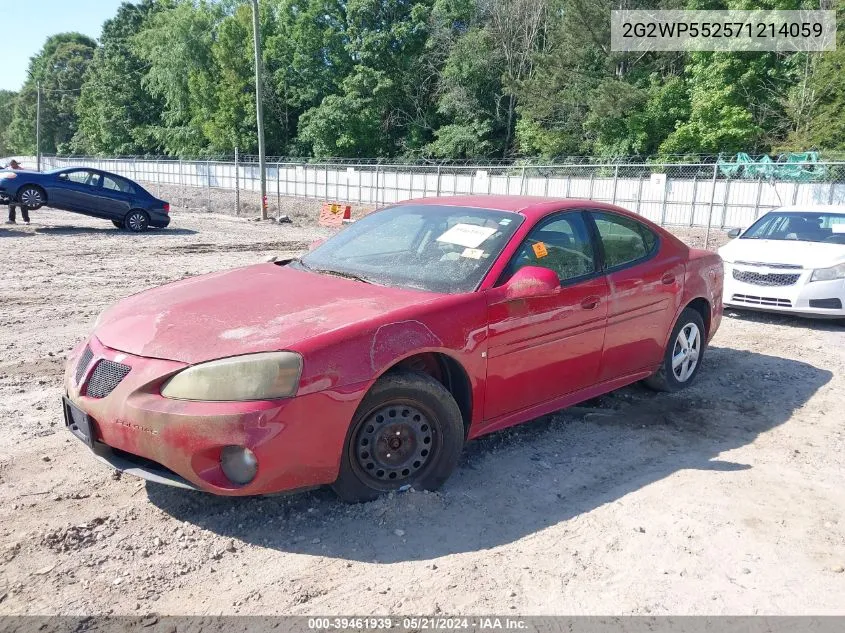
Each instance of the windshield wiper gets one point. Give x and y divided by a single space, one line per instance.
337 273
334 273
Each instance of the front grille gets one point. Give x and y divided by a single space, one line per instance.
107 375
765 279
84 361
827 304
763 264
762 301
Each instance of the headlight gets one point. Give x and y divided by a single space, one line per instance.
265 376
829 274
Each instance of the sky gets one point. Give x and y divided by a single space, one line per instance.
28 23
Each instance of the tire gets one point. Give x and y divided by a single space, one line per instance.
429 437
32 197
118 224
136 221
679 368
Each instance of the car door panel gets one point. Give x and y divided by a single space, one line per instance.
77 191
541 348
643 299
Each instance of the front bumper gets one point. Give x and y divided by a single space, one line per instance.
298 441
819 299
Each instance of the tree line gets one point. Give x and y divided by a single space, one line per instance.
447 79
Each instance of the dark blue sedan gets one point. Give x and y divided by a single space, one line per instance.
89 192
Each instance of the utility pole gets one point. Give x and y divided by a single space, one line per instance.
38 128
259 107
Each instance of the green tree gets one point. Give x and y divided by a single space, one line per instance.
7 103
379 110
116 113
60 68
177 46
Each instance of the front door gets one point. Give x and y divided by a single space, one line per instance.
543 348
77 190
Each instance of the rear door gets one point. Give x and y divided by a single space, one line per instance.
542 348
116 196
645 288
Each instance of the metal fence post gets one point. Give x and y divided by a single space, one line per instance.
694 195
725 203
795 193
640 195
237 185
522 182
438 181
712 201
592 180
278 189
208 183
663 205
615 181
759 194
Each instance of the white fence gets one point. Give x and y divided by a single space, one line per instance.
671 194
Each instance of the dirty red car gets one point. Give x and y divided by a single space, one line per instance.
367 363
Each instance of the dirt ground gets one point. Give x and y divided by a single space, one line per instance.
727 498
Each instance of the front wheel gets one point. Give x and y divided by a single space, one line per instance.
137 221
683 356
407 431
32 197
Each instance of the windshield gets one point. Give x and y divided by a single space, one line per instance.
804 226
435 248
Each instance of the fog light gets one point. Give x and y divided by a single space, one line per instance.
239 464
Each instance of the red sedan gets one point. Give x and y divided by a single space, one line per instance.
367 363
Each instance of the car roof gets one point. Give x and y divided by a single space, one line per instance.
529 206
810 208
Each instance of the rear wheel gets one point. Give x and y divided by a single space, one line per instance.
683 356
408 431
137 221
32 197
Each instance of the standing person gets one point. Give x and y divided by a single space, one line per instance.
16 166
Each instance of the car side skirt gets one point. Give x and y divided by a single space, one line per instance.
550 406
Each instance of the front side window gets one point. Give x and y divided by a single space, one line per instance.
562 244
428 247
82 177
624 240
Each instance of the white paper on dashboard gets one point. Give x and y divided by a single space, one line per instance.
467 235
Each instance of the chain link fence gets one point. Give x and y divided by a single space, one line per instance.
712 194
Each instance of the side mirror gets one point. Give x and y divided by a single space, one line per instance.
734 233
531 281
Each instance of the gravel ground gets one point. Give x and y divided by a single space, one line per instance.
726 498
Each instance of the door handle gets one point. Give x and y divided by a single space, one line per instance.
590 303
668 279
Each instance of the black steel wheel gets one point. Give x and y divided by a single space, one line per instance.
393 444
407 431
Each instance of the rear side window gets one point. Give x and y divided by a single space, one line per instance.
624 240
117 184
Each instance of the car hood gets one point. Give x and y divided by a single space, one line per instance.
243 311
792 252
